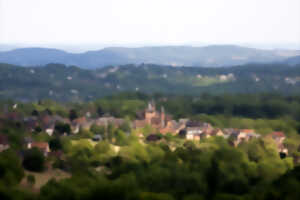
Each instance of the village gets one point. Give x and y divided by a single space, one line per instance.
160 122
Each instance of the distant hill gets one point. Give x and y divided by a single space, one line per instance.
59 82
293 60
209 56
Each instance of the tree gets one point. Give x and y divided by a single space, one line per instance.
73 114
62 128
30 179
121 138
38 129
34 160
98 130
49 112
55 144
35 113
100 111
155 196
11 170
125 126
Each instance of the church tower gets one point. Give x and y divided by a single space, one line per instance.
162 116
150 112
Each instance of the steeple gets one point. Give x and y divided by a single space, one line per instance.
151 106
162 116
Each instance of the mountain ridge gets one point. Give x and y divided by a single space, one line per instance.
207 56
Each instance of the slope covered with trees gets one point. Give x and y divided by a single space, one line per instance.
59 82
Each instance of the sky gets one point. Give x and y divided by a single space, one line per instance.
146 22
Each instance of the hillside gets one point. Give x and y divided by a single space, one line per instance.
59 82
209 56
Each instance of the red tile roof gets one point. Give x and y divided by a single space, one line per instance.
247 131
40 145
278 134
140 123
3 139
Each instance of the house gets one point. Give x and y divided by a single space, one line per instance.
47 123
194 130
45 119
30 123
249 134
253 135
4 144
205 135
192 123
74 127
183 120
80 120
247 131
14 116
97 138
242 135
216 132
237 137
81 123
278 138
42 146
229 131
139 124
172 127
49 128
191 133
27 142
105 121
203 126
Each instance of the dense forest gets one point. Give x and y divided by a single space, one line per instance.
62 83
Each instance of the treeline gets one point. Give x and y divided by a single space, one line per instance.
254 106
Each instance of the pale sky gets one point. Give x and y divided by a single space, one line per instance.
78 22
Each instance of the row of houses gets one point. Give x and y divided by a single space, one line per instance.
195 130
160 121
46 122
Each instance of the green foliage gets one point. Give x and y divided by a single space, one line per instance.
11 171
31 179
55 144
155 196
51 82
62 128
73 115
34 160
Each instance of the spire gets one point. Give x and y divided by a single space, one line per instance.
162 116
162 109
151 105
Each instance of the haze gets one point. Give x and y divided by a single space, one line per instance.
156 22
